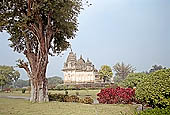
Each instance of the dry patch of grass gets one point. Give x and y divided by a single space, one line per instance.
23 107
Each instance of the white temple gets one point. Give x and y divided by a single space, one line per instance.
79 71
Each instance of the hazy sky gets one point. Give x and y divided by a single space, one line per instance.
136 32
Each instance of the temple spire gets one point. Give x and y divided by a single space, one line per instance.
81 57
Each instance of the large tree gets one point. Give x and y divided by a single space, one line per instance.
122 70
39 28
105 73
156 68
8 75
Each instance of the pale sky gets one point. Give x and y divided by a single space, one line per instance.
136 32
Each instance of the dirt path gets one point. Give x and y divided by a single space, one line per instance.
15 97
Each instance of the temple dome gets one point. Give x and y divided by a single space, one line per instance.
81 60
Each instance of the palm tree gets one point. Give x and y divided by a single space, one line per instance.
123 70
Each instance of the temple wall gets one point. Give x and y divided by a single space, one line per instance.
79 77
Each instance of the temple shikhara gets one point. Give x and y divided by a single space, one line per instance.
79 71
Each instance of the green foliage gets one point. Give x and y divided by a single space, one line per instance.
155 111
8 75
122 71
54 81
25 20
155 89
21 83
63 98
133 79
105 73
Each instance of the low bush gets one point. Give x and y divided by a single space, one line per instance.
72 98
116 95
155 111
67 98
23 90
88 100
155 89
57 97
63 98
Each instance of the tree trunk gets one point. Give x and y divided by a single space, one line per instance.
39 91
38 81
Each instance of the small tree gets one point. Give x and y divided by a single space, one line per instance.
8 75
105 73
39 28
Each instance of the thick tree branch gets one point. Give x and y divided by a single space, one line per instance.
29 7
24 65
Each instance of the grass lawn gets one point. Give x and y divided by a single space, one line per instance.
23 107
82 93
15 93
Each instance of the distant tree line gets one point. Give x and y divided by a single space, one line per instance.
52 82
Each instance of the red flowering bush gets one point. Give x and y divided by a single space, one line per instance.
116 95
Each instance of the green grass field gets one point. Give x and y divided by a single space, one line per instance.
24 107
82 93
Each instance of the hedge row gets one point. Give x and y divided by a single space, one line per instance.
72 98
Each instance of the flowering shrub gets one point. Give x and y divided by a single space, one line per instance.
117 95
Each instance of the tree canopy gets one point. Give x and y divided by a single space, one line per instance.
27 21
105 73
